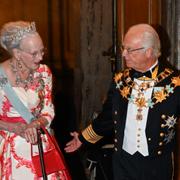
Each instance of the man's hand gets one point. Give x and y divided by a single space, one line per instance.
74 144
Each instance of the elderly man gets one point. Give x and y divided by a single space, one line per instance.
142 108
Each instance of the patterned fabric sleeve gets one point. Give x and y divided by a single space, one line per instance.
48 107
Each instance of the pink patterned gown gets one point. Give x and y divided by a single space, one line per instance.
15 152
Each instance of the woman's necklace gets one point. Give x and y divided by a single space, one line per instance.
19 81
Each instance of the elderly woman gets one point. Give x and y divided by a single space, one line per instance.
32 83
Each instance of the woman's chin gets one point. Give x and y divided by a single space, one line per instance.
36 66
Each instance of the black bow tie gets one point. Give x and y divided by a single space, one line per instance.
137 74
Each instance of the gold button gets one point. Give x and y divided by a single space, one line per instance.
163 116
115 149
115 112
159 152
115 122
115 140
161 134
149 139
161 143
162 125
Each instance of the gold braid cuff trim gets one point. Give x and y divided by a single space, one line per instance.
90 135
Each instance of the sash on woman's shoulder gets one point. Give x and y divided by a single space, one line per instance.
13 98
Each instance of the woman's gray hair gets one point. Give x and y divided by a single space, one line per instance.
151 40
12 33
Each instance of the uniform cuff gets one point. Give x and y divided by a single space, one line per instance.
90 136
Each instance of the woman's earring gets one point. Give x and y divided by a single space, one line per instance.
19 65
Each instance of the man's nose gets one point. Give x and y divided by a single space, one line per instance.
124 52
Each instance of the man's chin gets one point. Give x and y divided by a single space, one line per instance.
128 65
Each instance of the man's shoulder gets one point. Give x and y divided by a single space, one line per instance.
121 74
168 81
169 67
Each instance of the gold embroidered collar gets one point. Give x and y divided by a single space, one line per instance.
125 84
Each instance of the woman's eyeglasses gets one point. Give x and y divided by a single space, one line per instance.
35 54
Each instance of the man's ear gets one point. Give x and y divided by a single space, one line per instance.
149 52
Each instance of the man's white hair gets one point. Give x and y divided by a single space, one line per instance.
150 38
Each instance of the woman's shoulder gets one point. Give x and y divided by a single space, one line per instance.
44 69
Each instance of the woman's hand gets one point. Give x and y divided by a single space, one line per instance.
17 128
74 144
27 131
37 123
30 134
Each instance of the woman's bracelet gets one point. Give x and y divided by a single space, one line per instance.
39 122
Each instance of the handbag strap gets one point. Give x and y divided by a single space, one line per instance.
54 142
13 98
50 139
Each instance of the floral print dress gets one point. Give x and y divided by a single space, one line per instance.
15 151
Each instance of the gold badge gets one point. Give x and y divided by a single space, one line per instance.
176 81
117 77
141 102
125 91
160 96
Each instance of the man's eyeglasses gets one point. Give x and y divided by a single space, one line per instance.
129 50
35 54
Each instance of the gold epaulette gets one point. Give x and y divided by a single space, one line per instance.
90 135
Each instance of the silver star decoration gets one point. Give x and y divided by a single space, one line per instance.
169 89
170 121
131 98
150 103
169 136
118 85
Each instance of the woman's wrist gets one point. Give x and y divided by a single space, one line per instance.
16 128
40 122
7 126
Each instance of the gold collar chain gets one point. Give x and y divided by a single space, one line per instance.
125 84
123 80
